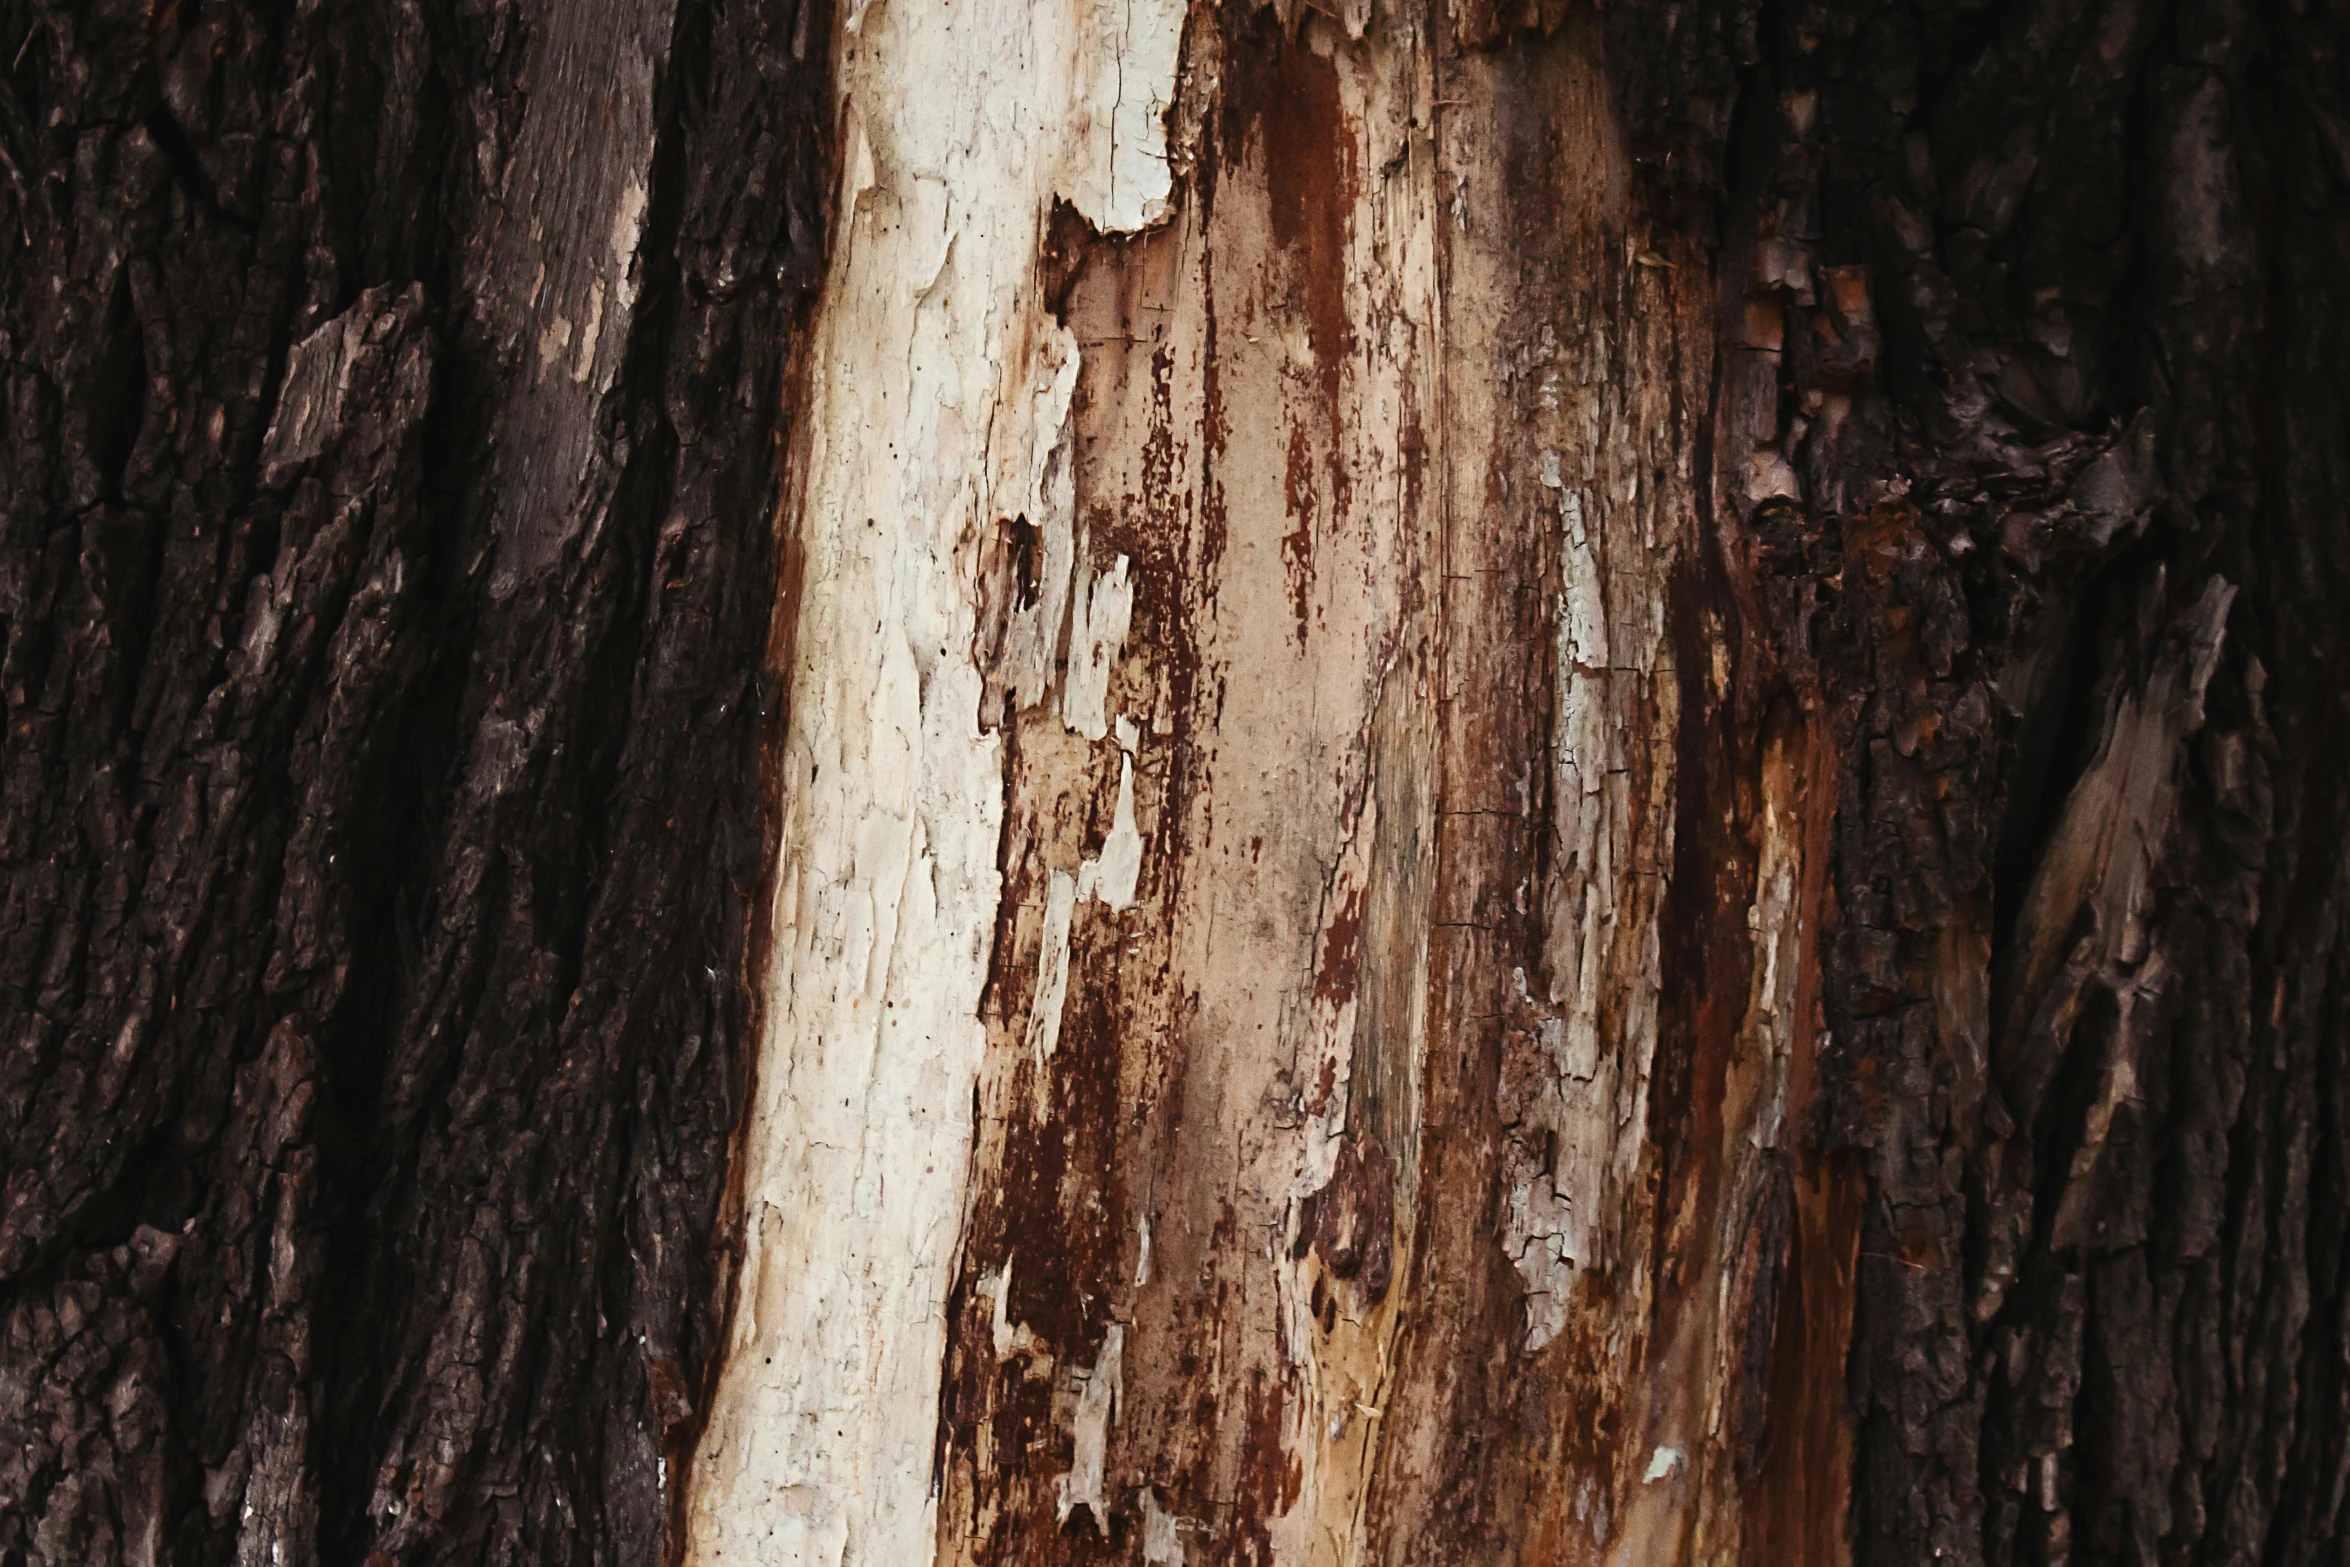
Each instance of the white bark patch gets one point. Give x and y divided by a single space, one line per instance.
1041 491
1547 1227
938 390
1103 614
1013 1338
1118 178
1121 862
1162 1543
1578 1089
1097 1405
1052 982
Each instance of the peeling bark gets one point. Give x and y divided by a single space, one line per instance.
1585 570
1305 783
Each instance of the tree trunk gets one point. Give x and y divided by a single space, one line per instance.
392 392
1174 783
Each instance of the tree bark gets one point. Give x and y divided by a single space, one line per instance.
1282 783
392 393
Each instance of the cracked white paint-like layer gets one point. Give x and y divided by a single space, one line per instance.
1582 1109
1118 177
1098 1396
937 410
1119 871
1052 979
1104 613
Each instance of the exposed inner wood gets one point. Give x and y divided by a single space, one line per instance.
1233 876
936 436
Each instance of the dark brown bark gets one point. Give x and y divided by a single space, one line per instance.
382 708
383 688
2062 371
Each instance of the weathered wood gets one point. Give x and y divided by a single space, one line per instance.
1480 783
1579 631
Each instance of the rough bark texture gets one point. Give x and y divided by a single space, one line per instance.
392 394
2060 556
1547 784
2031 422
